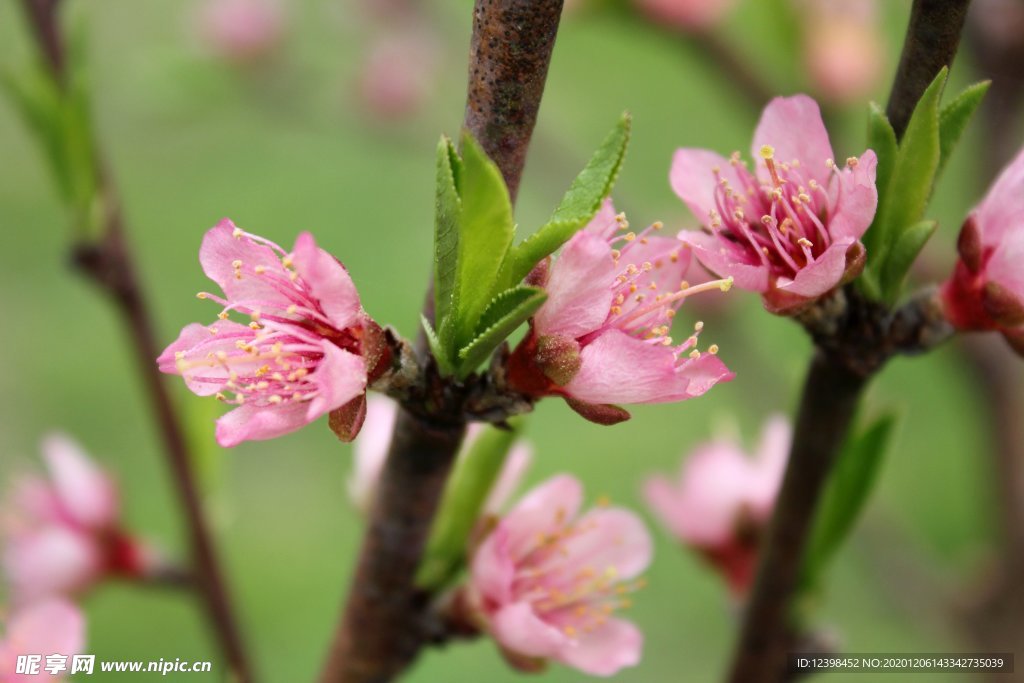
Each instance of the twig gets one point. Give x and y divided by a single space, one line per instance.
933 36
854 338
387 620
109 263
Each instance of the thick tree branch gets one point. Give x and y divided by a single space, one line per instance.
933 36
387 620
110 264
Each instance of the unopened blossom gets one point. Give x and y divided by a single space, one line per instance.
721 500
242 31
791 229
986 289
52 626
844 49
62 534
548 581
603 335
307 350
399 73
688 15
371 450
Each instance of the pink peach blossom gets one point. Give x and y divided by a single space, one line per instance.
242 31
602 336
688 15
49 627
792 231
722 499
63 534
986 290
371 450
844 48
547 580
307 351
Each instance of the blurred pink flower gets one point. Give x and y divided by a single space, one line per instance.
307 351
399 73
546 581
792 231
371 450
45 628
722 499
986 290
688 15
844 48
242 31
602 337
63 535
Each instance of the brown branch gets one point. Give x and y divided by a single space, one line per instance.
110 264
933 36
387 620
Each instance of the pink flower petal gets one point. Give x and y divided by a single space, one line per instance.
713 487
84 490
330 284
604 224
770 464
493 570
517 462
615 541
53 560
822 274
1006 266
725 260
1001 212
221 250
340 377
52 626
575 306
858 199
793 127
615 645
519 629
371 450
543 509
693 179
618 368
258 423
198 345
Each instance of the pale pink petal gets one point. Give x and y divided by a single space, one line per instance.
618 368
615 541
579 288
713 487
198 346
519 629
770 464
669 259
1006 266
50 561
52 626
493 570
517 462
693 178
329 283
339 377
86 493
371 450
662 498
34 501
255 423
822 274
219 253
793 127
615 645
857 201
604 224
1001 212
544 509
723 258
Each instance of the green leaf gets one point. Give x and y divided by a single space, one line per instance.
503 315
448 207
485 233
464 496
903 254
882 139
955 116
846 492
905 196
578 206
444 362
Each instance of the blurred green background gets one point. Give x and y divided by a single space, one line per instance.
286 148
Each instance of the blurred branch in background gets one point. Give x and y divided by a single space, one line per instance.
853 342
105 257
387 619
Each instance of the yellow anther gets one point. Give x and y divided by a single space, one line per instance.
852 162
236 233
629 236
767 152
286 262
698 326
804 242
726 284
713 349
291 309
202 295
275 399
223 315
236 264
260 270
695 354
